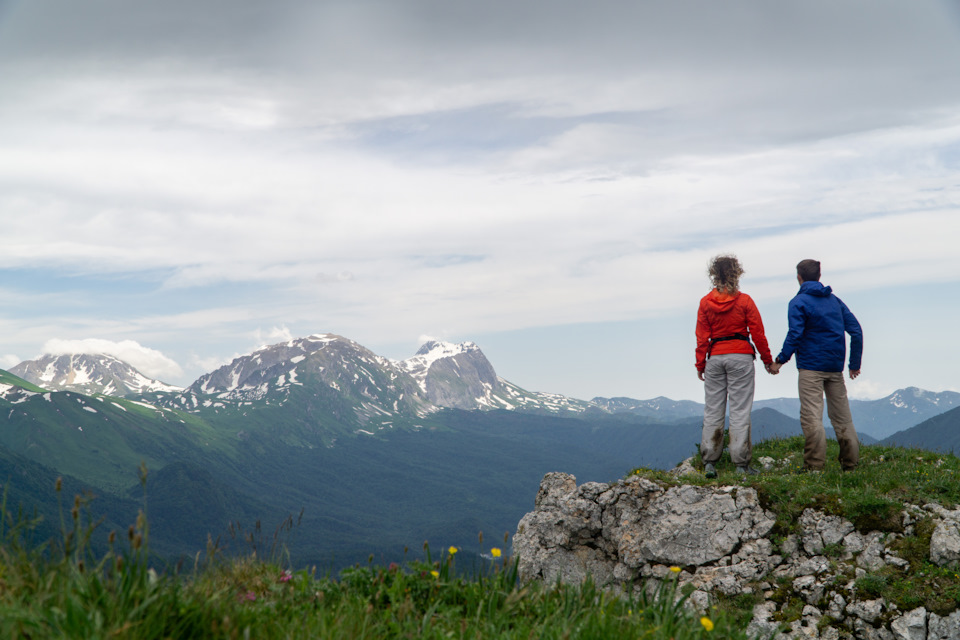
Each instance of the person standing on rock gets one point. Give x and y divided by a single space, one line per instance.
726 321
818 321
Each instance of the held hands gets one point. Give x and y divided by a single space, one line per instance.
773 368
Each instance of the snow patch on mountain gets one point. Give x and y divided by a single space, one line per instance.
431 352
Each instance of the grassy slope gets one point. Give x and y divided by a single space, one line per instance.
64 589
872 498
102 440
8 378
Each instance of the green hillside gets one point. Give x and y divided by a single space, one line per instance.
8 378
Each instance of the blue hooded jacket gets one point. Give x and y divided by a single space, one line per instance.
818 320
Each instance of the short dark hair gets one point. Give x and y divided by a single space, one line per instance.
809 270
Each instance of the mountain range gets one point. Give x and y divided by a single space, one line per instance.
379 454
878 419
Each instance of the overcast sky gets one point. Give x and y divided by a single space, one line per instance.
182 182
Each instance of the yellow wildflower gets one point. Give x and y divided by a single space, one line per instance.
435 574
452 550
707 623
495 552
675 569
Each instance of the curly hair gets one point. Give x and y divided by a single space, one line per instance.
725 272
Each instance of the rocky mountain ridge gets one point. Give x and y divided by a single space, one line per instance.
880 418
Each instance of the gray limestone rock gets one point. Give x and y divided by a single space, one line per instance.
911 625
763 625
692 526
866 610
871 558
945 543
943 628
630 533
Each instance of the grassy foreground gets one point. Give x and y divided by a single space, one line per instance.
61 589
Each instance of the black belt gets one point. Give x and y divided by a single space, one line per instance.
736 336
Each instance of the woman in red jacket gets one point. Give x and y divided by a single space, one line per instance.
726 322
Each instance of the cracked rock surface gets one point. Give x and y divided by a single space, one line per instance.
629 533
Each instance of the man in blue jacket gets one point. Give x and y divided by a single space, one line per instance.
818 321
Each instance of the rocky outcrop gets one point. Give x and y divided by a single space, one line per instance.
630 533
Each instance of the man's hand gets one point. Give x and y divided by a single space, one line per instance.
773 368
854 373
700 375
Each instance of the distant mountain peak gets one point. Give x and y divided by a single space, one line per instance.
88 373
443 348
247 374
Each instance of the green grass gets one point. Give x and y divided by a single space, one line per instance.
872 497
60 589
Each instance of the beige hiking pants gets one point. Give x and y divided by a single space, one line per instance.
813 386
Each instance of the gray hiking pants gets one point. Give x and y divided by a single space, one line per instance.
728 377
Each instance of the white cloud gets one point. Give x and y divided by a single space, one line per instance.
273 336
9 360
866 389
150 362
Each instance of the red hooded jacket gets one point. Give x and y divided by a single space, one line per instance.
722 314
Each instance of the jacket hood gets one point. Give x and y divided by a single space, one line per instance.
815 289
721 302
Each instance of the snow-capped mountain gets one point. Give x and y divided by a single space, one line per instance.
88 374
324 367
459 376
902 409
440 375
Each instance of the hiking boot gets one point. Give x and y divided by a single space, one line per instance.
747 470
709 470
809 470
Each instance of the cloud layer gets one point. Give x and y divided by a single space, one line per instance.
185 175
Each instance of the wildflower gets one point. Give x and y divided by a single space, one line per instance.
675 569
707 623
495 552
435 574
393 567
452 550
286 576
